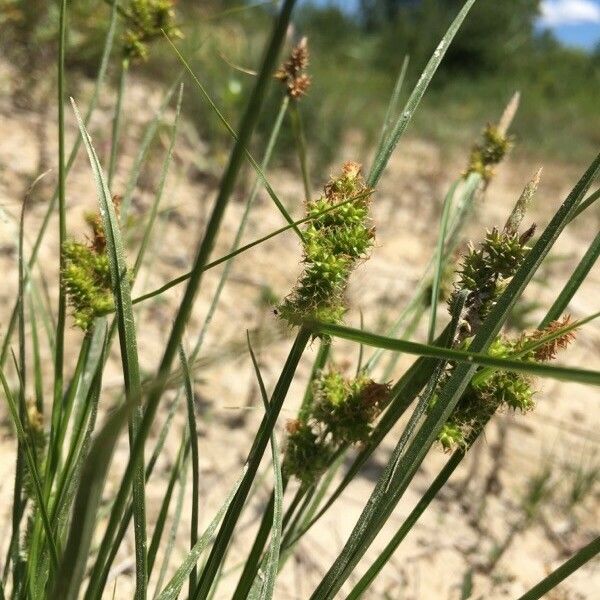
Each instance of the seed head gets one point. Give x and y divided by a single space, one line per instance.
291 72
334 243
146 20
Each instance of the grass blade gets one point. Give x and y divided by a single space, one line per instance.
414 100
193 433
85 509
547 584
171 591
127 338
205 247
266 580
439 262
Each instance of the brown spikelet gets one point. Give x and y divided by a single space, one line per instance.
375 397
293 426
549 350
292 74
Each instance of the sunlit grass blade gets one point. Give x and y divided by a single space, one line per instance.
127 338
173 588
32 467
547 584
365 581
392 106
116 123
439 262
170 545
248 123
175 476
575 281
145 145
253 462
417 94
193 444
241 227
302 151
265 581
473 358
85 510
139 259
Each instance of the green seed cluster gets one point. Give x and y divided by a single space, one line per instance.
86 276
481 400
334 243
147 19
342 414
501 389
485 272
485 155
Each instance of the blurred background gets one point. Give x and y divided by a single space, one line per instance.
548 49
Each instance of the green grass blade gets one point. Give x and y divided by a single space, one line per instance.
193 433
473 358
414 100
145 144
253 462
574 283
139 259
249 121
32 467
85 509
392 106
547 584
300 138
174 528
585 204
241 227
117 119
176 473
365 581
127 338
62 211
439 261
173 588
266 578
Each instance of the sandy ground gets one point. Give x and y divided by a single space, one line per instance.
459 531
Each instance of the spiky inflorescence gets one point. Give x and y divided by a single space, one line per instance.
334 242
292 71
485 272
342 413
146 21
485 155
86 274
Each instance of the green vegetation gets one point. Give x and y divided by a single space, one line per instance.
67 525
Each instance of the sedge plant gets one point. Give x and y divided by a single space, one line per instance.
68 525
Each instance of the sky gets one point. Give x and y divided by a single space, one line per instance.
573 22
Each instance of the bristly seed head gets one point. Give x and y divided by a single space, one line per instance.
342 413
146 21
86 274
292 71
334 243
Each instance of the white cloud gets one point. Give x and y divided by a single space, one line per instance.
569 12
